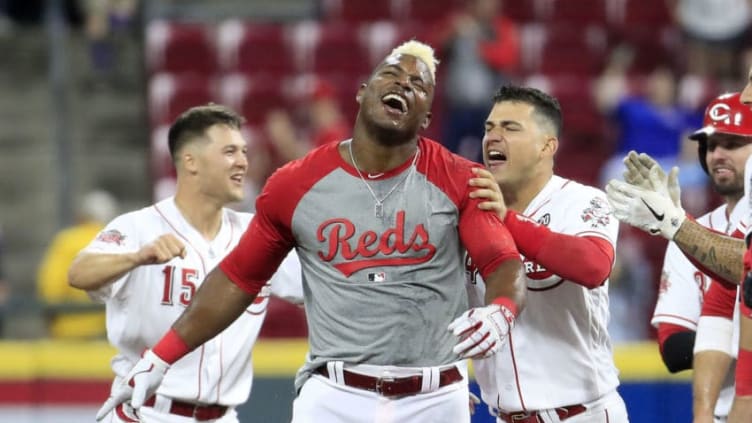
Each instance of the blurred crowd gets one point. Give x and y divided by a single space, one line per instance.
623 86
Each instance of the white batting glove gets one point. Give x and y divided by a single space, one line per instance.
140 383
483 330
638 169
657 211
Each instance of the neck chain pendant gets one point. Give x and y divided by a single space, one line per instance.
378 209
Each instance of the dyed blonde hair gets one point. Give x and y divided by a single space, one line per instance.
422 51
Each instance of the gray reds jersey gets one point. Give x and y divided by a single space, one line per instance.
378 290
143 303
559 352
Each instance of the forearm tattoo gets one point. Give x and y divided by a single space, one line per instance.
719 253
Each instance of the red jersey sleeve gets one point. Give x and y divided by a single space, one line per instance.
487 240
719 300
262 247
482 233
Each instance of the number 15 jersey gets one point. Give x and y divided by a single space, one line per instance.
143 303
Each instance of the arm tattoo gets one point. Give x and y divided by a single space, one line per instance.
720 253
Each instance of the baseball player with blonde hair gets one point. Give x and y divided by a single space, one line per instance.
147 265
380 223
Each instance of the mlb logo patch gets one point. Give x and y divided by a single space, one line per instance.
377 277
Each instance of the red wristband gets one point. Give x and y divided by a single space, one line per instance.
506 303
744 373
171 347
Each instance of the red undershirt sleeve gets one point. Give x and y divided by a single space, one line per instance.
583 260
719 301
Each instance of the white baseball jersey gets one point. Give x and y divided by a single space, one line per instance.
559 352
143 304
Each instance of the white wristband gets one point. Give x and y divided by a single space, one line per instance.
714 334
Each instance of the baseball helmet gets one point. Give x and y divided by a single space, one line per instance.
726 114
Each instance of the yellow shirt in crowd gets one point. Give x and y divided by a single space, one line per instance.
53 288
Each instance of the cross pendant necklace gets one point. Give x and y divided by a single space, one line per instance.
378 207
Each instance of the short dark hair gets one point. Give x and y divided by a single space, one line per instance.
194 122
545 105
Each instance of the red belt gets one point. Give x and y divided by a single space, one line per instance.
393 386
188 409
534 416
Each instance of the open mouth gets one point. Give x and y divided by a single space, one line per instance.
395 103
496 157
237 178
722 171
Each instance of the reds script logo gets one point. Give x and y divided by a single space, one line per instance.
338 236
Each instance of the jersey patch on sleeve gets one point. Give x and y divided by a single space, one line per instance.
113 236
597 214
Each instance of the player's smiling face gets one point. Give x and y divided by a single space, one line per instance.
222 164
726 157
514 142
398 96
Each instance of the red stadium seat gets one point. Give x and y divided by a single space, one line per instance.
581 118
171 94
255 96
161 161
254 48
563 49
641 12
585 12
345 87
429 11
382 37
522 11
341 48
180 47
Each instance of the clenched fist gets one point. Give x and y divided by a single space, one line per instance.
161 250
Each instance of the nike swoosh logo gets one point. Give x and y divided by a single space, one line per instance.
657 216
374 175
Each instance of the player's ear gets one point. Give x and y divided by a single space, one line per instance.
551 145
359 95
189 161
426 121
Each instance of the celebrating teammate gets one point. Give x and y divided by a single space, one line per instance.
380 223
724 144
650 201
558 362
146 266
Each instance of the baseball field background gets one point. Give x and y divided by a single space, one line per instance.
66 382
